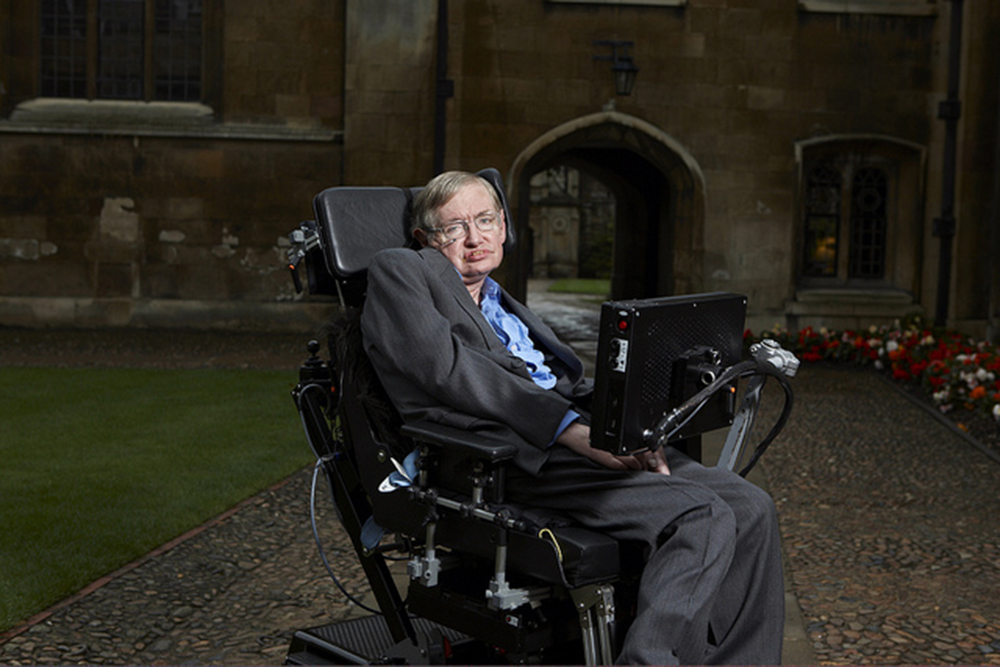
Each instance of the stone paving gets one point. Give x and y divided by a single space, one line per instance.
890 524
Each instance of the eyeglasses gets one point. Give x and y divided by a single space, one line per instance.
457 230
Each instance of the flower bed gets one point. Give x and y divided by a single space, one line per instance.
958 373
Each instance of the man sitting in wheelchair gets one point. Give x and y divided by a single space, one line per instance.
450 346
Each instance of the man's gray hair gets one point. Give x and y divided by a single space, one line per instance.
439 192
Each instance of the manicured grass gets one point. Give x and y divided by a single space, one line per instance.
100 466
582 286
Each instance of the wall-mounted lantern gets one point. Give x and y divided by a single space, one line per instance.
622 67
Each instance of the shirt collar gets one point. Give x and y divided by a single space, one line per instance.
491 290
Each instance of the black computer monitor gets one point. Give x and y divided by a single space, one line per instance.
653 354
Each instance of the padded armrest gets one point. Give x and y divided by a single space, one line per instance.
484 447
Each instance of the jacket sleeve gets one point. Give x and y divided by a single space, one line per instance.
433 358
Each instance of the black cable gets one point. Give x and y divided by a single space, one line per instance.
687 410
779 424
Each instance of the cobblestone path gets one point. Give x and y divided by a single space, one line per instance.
890 524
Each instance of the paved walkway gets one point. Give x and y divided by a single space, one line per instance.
890 524
890 531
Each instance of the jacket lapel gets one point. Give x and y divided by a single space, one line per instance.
543 334
453 282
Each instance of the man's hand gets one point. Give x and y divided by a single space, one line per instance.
654 461
577 438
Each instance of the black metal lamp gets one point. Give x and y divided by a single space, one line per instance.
622 67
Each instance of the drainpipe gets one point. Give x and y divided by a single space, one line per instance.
993 321
950 110
444 88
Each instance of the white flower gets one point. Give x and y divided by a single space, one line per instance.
878 363
969 378
982 374
892 346
996 411
928 340
940 396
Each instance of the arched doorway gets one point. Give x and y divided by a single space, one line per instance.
658 193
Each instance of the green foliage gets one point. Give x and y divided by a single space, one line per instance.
100 466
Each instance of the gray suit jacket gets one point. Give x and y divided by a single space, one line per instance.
439 359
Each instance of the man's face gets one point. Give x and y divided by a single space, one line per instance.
479 252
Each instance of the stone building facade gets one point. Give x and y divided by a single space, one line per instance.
790 150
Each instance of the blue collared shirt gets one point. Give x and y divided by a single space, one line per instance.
515 336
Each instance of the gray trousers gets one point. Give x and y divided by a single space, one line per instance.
712 590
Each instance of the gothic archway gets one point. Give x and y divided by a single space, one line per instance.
659 193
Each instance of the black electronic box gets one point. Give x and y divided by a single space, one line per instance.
653 354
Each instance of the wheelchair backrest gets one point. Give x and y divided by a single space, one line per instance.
354 223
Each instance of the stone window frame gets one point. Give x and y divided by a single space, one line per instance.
882 7
645 3
22 99
903 162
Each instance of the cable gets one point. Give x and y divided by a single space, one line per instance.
686 411
319 544
779 424
659 434
321 458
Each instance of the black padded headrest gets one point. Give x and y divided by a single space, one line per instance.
356 222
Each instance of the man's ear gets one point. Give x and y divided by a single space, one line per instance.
421 236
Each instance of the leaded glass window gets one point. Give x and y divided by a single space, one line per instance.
822 228
177 50
869 193
64 48
122 49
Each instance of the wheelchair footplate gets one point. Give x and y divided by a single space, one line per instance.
367 641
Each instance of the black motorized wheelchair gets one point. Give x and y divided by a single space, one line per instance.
488 582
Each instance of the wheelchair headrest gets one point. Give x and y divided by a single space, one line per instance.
354 223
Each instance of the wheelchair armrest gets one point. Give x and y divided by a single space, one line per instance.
481 446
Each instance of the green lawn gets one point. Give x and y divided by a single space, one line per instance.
99 466
582 286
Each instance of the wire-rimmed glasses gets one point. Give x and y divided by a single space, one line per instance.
456 230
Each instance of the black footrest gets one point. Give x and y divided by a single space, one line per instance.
360 641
